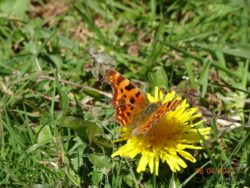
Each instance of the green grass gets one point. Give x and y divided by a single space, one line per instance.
56 126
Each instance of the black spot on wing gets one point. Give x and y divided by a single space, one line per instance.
138 94
168 104
129 87
119 80
132 100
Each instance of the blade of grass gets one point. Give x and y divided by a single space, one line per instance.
204 77
190 72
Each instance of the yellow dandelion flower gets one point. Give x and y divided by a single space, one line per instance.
168 139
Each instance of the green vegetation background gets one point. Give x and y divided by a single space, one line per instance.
56 122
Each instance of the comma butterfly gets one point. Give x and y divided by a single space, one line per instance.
132 106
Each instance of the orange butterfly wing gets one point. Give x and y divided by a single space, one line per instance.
128 99
143 125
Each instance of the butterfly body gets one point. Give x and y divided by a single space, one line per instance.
151 108
133 108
